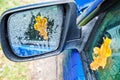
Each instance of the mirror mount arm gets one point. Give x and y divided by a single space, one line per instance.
80 41
73 38
73 34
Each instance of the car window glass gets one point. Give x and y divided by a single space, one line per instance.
110 27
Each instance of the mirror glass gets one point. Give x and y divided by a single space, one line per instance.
36 31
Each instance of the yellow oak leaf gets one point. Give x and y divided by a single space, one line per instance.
41 26
102 54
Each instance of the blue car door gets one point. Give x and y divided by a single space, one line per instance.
73 68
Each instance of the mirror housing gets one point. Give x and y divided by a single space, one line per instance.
69 24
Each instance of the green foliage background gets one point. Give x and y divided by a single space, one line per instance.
12 70
7 4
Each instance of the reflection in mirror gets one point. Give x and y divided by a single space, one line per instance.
37 31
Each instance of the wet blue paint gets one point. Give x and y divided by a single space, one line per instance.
72 66
82 5
91 8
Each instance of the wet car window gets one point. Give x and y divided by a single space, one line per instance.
108 32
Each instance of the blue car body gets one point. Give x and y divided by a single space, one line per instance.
73 68
82 5
72 65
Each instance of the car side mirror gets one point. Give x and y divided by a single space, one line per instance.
36 31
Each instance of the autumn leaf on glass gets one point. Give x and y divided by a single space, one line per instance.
41 26
101 54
